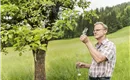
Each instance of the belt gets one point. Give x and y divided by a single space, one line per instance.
100 78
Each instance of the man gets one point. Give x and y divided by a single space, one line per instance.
104 55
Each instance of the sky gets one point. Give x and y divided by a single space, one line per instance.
103 3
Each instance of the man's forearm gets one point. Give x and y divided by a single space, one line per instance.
87 65
96 55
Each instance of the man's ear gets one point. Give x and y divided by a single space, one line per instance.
105 31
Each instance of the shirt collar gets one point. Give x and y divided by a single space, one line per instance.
104 41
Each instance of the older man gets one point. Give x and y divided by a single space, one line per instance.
104 55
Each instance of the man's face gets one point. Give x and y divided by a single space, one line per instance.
99 31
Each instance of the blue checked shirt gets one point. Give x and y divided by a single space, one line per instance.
105 68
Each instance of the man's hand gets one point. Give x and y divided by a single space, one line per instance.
81 65
84 38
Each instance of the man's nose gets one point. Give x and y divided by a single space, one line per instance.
94 32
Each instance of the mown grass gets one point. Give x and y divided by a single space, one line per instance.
61 57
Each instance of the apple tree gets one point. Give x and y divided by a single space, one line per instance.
34 23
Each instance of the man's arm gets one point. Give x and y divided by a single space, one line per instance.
96 55
83 65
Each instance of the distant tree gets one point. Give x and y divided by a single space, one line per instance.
125 16
112 22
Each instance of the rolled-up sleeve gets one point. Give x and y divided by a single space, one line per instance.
109 51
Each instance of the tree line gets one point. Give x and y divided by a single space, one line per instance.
115 18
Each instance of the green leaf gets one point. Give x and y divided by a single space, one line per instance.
20 54
10 36
37 37
4 38
29 38
48 36
43 47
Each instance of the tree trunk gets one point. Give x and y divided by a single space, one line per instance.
39 59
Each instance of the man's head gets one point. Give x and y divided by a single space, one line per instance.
100 30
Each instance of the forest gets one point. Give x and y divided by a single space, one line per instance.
115 18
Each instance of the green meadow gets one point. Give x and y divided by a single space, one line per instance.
61 57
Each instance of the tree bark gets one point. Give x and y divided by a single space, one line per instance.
39 60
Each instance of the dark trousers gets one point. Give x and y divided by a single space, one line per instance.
99 78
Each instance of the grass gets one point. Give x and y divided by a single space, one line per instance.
15 67
61 57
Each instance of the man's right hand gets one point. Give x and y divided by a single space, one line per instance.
84 38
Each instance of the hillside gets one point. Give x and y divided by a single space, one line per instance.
61 57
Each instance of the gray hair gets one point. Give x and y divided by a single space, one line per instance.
101 23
